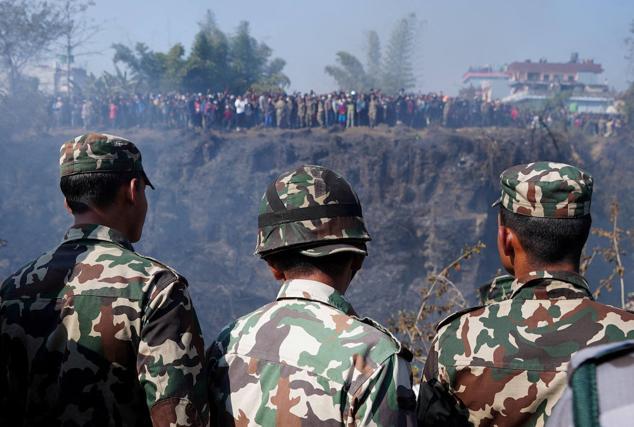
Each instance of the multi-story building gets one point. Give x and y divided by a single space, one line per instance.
533 83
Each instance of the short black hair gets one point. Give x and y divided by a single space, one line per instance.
298 264
98 188
549 240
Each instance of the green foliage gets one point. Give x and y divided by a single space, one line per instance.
248 58
390 73
397 67
373 62
28 28
350 73
216 61
145 66
629 54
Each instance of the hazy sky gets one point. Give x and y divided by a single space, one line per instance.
456 33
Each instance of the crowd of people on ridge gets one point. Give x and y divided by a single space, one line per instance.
225 111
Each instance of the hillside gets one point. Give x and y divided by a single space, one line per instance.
425 195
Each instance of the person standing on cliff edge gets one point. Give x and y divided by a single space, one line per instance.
91 332
506 361
307 358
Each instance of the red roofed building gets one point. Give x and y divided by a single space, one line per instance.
585 72
533 83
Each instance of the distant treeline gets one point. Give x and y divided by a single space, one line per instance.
217 61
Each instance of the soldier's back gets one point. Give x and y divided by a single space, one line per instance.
302 362
507 361
77 338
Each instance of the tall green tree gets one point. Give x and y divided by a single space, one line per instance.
146 66
249 58
373 60
349 72
173 68
273 79
398 71
215 62
629 53
207 65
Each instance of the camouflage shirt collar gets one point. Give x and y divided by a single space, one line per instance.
96 232
312 290
550 285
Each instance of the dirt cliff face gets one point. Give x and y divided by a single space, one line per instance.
425 195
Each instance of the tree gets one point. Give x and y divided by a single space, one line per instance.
629 55
398 72
28 29
147 67
373 61
207 65
201 71
349 73
173 68
216 62
249 58
77 31
273 78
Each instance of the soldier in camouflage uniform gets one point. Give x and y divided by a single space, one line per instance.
91 332
507 361
599 391
498 290
308 358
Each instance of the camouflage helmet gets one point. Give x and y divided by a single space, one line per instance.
97 152
546 190
313 210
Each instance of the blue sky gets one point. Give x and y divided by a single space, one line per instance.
456 33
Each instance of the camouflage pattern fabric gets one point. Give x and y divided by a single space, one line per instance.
94 334
310 206
95 152
307 359
546 190
599 391
507 361
498 290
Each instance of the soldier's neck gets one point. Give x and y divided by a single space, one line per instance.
523 268
340 284
102 218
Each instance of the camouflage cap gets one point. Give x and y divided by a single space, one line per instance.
546 190
311 209
96 152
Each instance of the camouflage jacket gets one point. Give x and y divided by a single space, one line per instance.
91 333
306 359
507 361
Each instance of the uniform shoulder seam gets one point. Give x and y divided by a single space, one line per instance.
456 315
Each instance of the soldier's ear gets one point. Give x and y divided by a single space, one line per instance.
277 273
506 240
68 209
133 190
